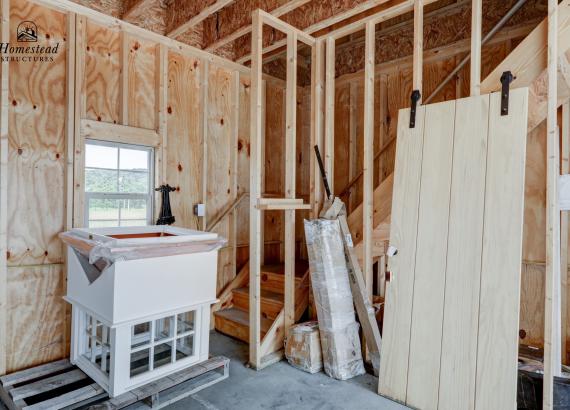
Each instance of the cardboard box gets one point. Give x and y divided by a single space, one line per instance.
303 347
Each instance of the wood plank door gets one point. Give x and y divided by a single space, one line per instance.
452 305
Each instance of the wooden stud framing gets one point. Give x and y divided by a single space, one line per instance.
79 113
290 165
286 28
323 24
70 121
255 192
259 355
69 137
204 133
476 28
418 45
368 167
329 109
161 122
317 120
564 169
552 281
4 92
105 131
124 80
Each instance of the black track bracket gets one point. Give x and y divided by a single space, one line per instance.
416 95
506 80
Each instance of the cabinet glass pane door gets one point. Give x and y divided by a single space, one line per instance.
162 341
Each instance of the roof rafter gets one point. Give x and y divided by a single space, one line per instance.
326 23
198 18
246 29
133 7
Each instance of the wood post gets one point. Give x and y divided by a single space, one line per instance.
564 169
329 109
552 352
4 112
418 46
368 166
317 122
476 20
290 165
79 109
255 191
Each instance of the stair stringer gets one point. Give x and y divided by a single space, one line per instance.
382 200
275 336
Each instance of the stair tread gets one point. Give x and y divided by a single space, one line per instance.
279 268
241 317
265 294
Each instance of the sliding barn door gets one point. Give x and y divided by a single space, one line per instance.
450 338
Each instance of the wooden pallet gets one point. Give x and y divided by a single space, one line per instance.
61 385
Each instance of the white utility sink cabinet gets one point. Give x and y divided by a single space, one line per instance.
142 310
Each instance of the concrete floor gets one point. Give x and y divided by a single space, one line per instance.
281 386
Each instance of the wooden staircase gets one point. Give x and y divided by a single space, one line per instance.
233 317
528 63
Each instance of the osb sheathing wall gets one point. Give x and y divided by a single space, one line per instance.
204 154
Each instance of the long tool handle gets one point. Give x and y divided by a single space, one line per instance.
323 173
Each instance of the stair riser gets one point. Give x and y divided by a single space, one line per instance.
275 282
269 308
233 329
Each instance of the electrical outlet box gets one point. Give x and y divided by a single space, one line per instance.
200 210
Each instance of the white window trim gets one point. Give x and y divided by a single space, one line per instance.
114 195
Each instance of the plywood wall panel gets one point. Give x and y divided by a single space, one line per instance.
341 137
184 151
102 73
36 327
36 144
534 233
221 126
142 84
274 167
243 158
220 123
532 304
358 191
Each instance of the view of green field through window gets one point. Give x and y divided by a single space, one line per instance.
117 184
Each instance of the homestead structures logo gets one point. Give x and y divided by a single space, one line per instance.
28 47
27 32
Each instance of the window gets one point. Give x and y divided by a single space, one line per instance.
118 184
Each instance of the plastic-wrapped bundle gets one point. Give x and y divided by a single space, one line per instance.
303 347
340 343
